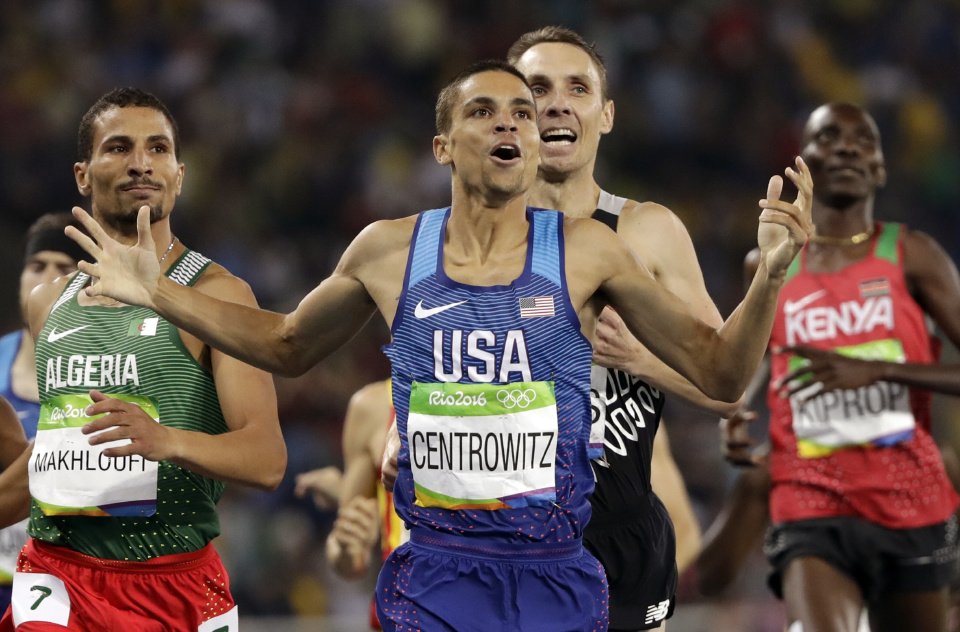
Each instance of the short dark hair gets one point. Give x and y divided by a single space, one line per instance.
449 95
560 35
46 233
121 98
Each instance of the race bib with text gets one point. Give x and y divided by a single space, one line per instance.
68 476
878 414
483 446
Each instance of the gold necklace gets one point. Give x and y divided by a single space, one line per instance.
167 251
852 240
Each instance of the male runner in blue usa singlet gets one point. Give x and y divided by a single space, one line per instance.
508 538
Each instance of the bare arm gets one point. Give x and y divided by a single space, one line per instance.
735 532
15 490
661 241
287 344
357 526
720 362
12 439
251 452
668 484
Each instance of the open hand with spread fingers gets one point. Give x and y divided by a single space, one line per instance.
126 273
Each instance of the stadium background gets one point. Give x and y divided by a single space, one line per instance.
302 121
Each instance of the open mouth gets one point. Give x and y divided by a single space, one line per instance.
563 135
506 152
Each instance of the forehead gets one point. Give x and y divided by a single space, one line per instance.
840 116
553 59
495 85
131 121
51 257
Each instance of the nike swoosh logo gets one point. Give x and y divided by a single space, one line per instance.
792 307
423 312
53 336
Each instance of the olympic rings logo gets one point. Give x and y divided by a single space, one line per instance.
516 398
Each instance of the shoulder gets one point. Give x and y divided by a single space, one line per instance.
42 299
922 253
220 283
652 229
379 240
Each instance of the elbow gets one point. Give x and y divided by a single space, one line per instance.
726 391
272 472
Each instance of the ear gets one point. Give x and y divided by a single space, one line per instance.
82 176
606 118
440 151
180 169
881 176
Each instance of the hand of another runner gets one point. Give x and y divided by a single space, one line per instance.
615 347
322 484
388 462
125 273
785 227
830 370
736 445
355 532
124 420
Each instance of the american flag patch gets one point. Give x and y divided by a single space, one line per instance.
536 306
874 287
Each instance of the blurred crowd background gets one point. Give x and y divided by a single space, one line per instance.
304 120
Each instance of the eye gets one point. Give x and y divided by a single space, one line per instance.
116 149
159 149
482 112
579 90
538 91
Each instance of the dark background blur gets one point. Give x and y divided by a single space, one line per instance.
303 121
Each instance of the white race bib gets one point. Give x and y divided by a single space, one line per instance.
483 446
39 597
878 414
68 476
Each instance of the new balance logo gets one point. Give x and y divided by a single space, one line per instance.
54 336
657 612
423 312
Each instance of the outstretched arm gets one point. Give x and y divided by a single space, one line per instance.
251 452
287 344
720 362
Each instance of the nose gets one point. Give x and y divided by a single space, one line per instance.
50 273
139 163
555 104
848 144
505 123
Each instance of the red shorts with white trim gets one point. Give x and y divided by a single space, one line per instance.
56 588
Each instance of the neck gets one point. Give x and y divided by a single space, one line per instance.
478 227
576 197
837 222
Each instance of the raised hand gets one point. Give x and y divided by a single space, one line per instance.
125 273
785 227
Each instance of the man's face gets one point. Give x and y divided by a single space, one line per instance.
41 267
493 142
572 113
132 164
842 148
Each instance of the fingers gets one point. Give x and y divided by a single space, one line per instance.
144 234
83 240
774 189
93 227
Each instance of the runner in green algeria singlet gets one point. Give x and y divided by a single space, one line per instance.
123 508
